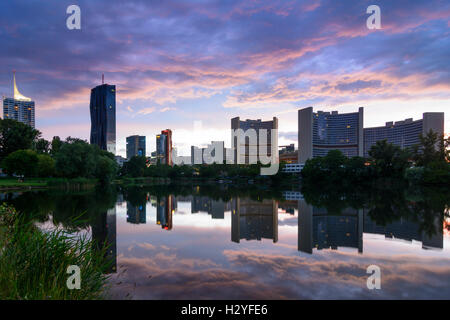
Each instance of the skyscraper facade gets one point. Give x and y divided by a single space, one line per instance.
404 134
242 148
164 147
103 117
320 132
135 146
19 108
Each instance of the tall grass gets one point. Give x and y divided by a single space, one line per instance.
33 263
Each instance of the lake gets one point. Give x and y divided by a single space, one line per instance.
218 242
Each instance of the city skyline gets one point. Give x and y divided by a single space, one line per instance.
286 56
103 129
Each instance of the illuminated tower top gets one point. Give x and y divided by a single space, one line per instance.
17 94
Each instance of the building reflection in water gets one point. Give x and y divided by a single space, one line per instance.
104 233
215 208
136 214
317 229
165 207
409 231
288 206
254 220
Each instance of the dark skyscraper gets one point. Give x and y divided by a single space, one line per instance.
103 117
135 146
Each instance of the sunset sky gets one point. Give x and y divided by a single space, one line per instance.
176 63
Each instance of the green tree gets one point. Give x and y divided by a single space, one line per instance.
21 162
15 136
75 158
45 166
42 146
56 145
326 169
106 169
389 160
431 149
356 169
135 167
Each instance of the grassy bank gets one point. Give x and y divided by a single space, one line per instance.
39 183
33 263
17 183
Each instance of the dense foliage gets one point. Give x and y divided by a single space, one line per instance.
23 153
427 163
137 167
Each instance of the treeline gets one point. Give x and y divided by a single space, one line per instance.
24 153
137 167
426 163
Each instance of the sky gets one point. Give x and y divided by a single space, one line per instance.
193 65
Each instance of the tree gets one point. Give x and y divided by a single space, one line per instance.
135 167
42 146
45 166
56 145
15 136
356 170
389 160
75 158
328 169
106 169
431 149
21 162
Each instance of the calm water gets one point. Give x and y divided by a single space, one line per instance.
213 243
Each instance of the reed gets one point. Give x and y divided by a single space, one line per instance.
34 262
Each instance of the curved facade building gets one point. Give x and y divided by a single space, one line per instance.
320 132
404 134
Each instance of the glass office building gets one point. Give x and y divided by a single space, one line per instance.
404 134
320 132
103 117
135 146
19 108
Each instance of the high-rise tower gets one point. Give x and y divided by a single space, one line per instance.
19 108
164 147
103 117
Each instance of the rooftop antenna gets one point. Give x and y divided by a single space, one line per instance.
103 78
